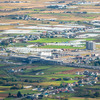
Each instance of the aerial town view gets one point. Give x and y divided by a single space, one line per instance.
49 49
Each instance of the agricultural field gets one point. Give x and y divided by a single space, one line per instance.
50 40
59 40
61 47
29 74
54 40
42 12
74 98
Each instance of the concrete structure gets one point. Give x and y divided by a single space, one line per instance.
90 45
45 54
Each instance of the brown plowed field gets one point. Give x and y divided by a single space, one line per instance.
3 95
73 71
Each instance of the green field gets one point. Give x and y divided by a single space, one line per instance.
47 77
54 40
51 40
79 98
49 73
48 69
2 64
73 98
61 47
23 91
19 44
57 83
29 73
57 14
7 87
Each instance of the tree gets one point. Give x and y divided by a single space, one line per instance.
84 12
26 80
9 95
4 43
90 93
96 94
48 22
14 87
22 86
19 94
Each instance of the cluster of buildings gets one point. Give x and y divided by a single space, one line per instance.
11 10
19 39
89 73
90 79
15 70
86 3
95 23
39 73
14 1
27 17
74 58
24 17
61 6
51 90
86 60
71 4
55 2
25 38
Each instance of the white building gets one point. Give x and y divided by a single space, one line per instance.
90 45
45 54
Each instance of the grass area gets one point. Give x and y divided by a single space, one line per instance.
90 39
48 99
19 44
98 46
56 83
95 87
68 75
61 47
2 64
54 40
23 91
2 37
73 98
49 72
7 87
0 7
57 69
80 98
56 14
9 99
29 99
89 17
48 77
48 69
